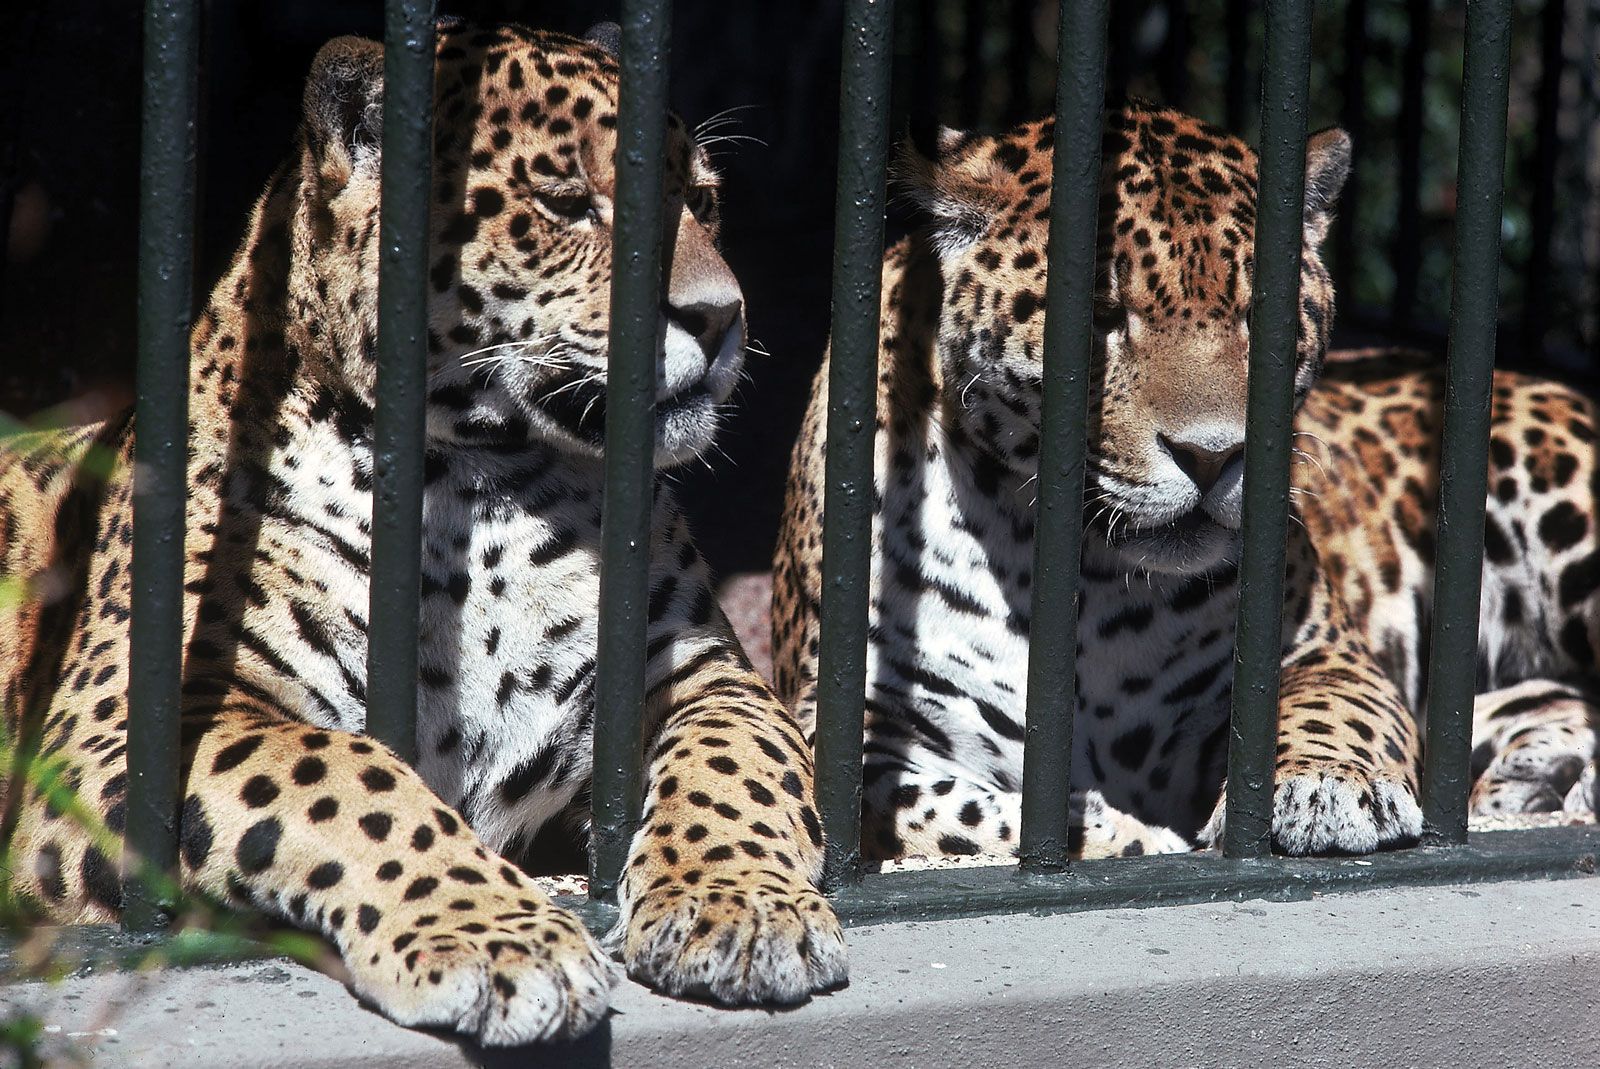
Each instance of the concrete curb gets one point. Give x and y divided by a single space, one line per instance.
1489 975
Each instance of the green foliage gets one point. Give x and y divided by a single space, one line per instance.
20 1039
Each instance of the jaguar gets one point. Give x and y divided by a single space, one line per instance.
416 875
956 459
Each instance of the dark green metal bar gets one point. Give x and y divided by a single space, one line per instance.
1115 883
852 393
397 442
166 280
1172 879
1175 879
1274 319
1464 454
1068 349
630 439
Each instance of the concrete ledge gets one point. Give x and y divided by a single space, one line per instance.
1488 975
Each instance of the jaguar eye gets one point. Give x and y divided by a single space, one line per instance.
700 201
573 207
1109 317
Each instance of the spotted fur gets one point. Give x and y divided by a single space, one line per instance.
956 462
285 808
1367 463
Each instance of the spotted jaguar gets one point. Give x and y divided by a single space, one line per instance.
956 455
415 875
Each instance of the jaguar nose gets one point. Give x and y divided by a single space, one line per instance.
1202 463
707 323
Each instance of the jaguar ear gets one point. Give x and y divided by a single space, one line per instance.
344 109
1327 167
608 35
947 174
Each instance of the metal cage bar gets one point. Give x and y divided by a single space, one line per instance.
1068 350
1274 323
630 440
852 405
395 589
160 491
1464 453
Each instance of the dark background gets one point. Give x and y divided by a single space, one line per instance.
1388 70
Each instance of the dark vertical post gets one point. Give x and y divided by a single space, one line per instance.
852 404
1409 128
1068 349
1542 174
1274 320
1464 453
401 393
630 439
166 274
1353 116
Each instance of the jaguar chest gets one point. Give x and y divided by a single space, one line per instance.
507 629
950 613
1155 673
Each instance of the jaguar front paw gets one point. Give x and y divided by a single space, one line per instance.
500 969
1336 811
739 940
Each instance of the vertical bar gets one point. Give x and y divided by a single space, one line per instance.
1068 349
1542 174
166 278
1353 116
401 391
630 439
1408 222
1274 321
1464 453
852 405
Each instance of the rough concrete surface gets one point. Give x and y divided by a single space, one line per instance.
1493 975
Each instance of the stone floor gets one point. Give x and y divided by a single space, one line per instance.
1483 975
